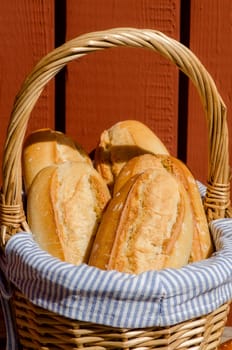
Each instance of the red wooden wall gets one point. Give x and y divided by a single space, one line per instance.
122 84
118 84
102 89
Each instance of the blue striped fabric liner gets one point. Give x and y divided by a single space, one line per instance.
153 298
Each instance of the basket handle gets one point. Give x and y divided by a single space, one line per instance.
218 183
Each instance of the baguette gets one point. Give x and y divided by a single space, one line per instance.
45 147
147 225
123 141
202 246
64 207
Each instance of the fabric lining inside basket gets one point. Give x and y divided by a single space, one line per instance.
153 298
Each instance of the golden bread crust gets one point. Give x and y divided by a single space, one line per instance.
142 225
121 142
45 147
64 208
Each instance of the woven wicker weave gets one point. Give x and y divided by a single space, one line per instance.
60 333
41 329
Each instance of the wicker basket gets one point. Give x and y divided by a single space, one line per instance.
41 329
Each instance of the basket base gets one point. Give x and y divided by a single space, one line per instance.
41 329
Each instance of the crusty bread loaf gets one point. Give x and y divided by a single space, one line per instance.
64 207
45 147
146 225
202 246
227 345
121 142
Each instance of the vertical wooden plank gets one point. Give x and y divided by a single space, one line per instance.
26 34
210 38
124 83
